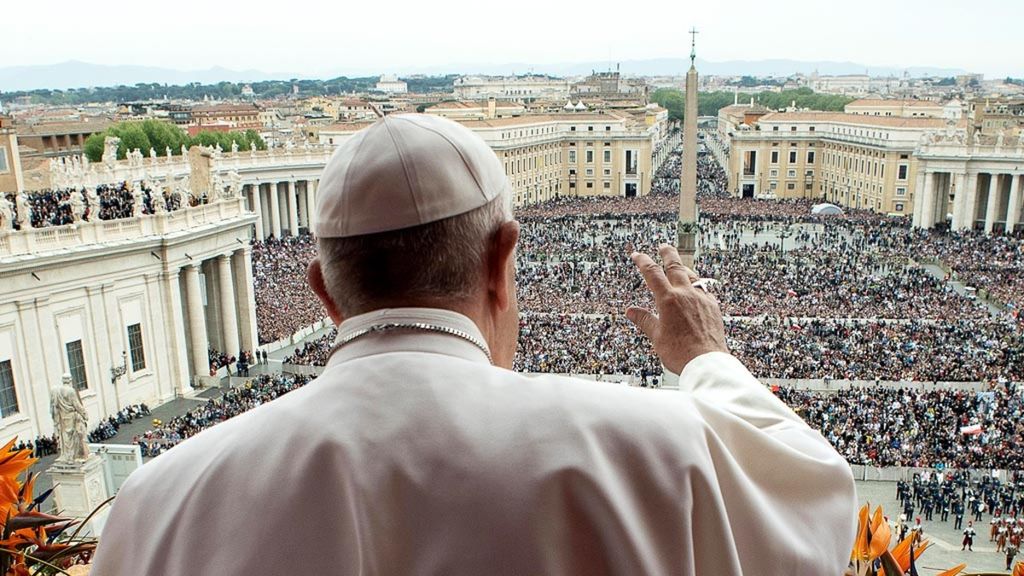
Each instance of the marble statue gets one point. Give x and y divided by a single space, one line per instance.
110 146
977 138
6 214
138 201
252 150
152 153
77 205
234 147
168 152
24 219
184 151
159 202
94 201
235 184
1020 137
1000 138
70 421
216 187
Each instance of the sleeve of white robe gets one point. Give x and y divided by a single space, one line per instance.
777 476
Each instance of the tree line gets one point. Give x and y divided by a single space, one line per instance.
161 136
709 103
195 91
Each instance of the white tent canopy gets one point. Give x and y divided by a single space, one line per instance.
826 209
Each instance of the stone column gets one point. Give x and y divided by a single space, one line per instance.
246 302
310 202
303 205
293 210
928 202
174 314
918 215
196 322
228 320
958 184
1013 211
971 201
275 211
992 209
257 208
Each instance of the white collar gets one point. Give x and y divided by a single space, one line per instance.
417 341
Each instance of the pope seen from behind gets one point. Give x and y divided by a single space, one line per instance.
418 450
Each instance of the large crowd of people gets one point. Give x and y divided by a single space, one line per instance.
806 297
284 302
106 202
907 426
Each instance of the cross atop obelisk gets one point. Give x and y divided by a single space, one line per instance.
687 227
693 46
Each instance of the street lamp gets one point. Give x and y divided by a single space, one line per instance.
115 373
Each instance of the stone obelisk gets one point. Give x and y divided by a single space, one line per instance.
687 226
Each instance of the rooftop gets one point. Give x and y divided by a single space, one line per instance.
859 119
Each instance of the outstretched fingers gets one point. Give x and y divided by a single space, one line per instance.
653 275
675 271
644 319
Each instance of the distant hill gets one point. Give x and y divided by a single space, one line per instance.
679 66
75 74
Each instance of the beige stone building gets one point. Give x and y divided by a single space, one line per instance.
52 139
10 161
477 110
990 115
516 88
566 154
853 160
902 108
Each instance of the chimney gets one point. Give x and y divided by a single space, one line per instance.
492 108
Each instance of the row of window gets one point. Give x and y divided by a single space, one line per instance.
792 156
76 368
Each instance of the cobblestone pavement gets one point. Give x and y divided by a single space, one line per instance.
945 550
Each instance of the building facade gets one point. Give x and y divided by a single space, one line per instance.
52 139
10 159
970 183
853 160
516 88
150 294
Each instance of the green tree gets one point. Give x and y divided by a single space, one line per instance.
672 100
93 147
132 136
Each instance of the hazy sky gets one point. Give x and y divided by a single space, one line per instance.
323 37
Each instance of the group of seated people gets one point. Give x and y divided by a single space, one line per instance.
108 427
260 390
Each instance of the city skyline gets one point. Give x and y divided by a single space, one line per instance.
913 34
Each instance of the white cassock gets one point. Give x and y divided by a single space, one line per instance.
412 455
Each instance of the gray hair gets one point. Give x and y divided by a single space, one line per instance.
439 260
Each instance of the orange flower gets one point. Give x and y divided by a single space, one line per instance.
953 571
1018 569
14 463
861 546
901 553
881 535
873 536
